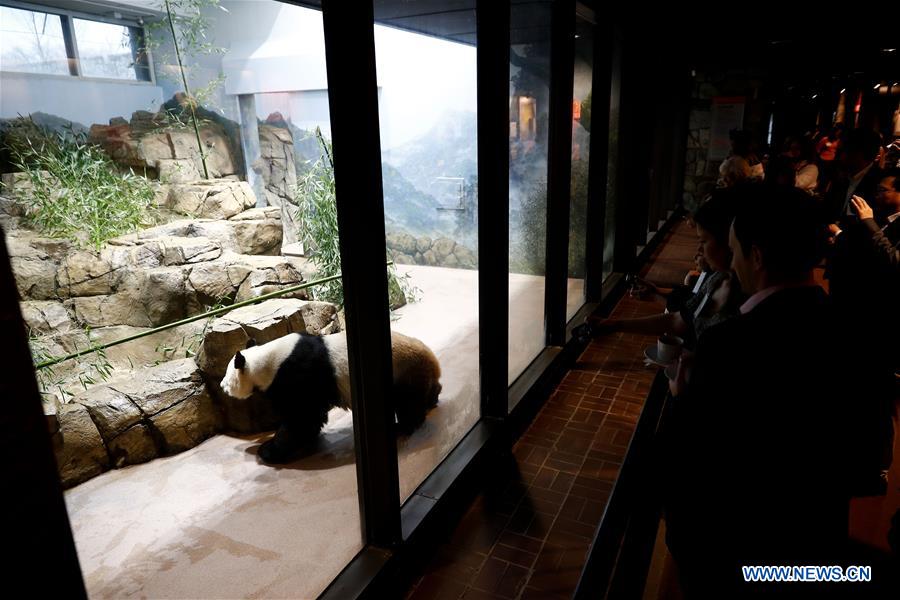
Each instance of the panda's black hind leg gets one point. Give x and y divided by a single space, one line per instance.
409 408
286 446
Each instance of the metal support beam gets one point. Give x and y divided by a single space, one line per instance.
353 102
493 203
601 80
559 168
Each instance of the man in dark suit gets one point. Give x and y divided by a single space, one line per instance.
765 438
859 175
864 273
865 262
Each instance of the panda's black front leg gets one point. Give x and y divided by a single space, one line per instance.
298 435
287 445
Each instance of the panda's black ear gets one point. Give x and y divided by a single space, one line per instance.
250 343
239 361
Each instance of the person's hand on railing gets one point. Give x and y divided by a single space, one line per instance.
641 289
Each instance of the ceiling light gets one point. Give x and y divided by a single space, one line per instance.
843 90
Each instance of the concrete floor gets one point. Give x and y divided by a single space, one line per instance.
213 522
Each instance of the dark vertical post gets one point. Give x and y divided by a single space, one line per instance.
559 167
353 102
633 179
33 512
68 31
493 203
601 80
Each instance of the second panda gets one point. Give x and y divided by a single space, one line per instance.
305 376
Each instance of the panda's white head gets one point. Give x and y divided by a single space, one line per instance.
239 381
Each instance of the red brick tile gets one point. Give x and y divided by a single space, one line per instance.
515 556
489 576
544 478
574 527
531 593
567 457
562 483
540 526
556 582
572 507
585 428
520 541
575 441
564 466
592 511
622 438
435 587
548 506
521 519
513 581
472 594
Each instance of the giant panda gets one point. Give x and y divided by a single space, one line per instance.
305 376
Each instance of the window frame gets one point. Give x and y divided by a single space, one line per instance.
71 42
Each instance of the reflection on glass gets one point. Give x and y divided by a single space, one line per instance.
529 91
581 137
32 42
609 234
107 50
427 108
168 497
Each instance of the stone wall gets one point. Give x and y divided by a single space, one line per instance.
279 173
150 144
160 410
441 252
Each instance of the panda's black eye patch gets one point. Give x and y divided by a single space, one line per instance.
239 361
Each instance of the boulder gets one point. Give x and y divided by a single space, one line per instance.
84 273
111 410
80 453
405 243
133 446
423 244
46 316
189 250
214 199
431 258
175 170
450 261
465 257
188 422
166 297
34 262
404 259
115 309
269 276
258 231
442 248
149 142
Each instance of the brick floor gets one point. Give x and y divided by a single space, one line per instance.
528 534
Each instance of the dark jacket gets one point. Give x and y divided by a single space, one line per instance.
864 274
763 448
